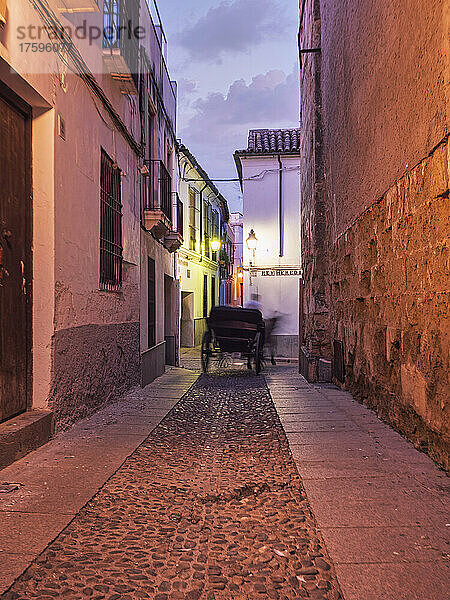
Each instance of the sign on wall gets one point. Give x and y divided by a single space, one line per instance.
276 272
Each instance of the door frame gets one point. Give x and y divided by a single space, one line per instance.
23 108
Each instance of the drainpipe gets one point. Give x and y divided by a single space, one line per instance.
280 205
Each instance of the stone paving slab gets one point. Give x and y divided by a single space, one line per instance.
395 543
370 489
346 451
62 476
403 581
329 416
349 468
13 565
291 423
382 506
23 533
345 512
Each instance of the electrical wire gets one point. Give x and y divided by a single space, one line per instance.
260 175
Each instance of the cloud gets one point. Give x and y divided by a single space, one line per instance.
186 86
218 124
269 100
233 26
186 91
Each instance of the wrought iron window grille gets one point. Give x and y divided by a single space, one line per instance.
111 250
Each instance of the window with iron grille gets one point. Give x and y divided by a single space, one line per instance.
207 228
215 230
165 189
150 133
215 224
151 302
205 295
110 225
180 220
192 221
192 238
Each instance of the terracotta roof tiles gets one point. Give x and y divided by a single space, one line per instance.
269 141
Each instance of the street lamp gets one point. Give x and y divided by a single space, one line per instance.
252 241
215 245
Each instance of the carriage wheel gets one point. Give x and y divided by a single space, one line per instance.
206 351
258 353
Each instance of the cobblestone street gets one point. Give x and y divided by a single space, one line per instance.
209 506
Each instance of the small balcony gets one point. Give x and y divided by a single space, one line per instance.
157 198
174 239
120 44
76 6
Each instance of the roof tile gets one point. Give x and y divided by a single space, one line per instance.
268 141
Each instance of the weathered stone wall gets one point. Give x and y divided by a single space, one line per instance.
389 295
375 201
314 328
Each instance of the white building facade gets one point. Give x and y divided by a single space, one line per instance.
269 173
87 136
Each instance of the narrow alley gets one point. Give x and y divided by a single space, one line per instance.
249 487
224 300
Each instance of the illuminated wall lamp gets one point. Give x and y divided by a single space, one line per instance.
215 245
252 240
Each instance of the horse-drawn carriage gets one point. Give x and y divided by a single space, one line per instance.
234 330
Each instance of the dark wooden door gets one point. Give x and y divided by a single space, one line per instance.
15 256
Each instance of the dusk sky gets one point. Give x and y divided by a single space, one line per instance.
235 62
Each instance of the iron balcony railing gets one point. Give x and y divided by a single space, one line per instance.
120 19
157 188
179 211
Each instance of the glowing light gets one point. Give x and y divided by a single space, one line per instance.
252 240
215 245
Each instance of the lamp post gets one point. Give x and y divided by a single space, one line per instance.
252 242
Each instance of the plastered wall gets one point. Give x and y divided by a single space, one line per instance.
86 341
384 66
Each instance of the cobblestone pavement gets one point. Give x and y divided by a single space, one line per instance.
210 506
190 359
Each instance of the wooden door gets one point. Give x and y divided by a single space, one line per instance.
15 255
